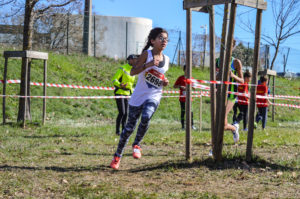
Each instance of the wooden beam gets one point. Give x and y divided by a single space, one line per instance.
267 72
188 76
259 4
26 54
253 88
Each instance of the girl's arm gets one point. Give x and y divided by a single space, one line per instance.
141 64
238 66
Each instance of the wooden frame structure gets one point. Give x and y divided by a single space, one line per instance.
27 55
217 122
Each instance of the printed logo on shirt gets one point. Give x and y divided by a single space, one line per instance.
154 78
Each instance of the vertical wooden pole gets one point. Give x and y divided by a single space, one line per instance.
45 91
219 144
200 113
95 36
220 74
4 88
253 88
189 75
25 93
212 70
273 107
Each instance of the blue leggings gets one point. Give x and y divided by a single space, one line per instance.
262 115
147 110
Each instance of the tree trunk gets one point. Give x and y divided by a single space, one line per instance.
276 52
27 45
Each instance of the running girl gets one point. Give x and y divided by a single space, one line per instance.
150 68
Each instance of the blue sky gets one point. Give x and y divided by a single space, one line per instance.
169 14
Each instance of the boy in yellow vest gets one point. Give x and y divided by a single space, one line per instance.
123 83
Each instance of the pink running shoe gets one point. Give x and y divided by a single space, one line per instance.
136 152
115 163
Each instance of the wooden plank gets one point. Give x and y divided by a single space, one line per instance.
36 55
253 88
259 4
267 72
200 9
188 154
26 54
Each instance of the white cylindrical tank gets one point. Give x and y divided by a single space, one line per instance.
118 37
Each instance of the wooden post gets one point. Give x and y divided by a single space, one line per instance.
95 36
25 95
212 70
200 113
220 75
219 144
45 91
273 107
253 88
188 76
4 88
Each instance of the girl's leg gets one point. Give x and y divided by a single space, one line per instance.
134 114
245 119
264 116
258 115
124 118
182 111
120 105
149 107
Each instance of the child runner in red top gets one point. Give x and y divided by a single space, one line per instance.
151 67
243 101
181 84
262 103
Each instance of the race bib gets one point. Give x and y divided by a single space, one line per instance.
154 78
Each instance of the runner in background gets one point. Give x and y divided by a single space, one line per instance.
235 75
123 83
181 84
262 104
242 101
150 68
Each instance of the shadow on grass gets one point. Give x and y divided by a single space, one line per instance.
54 136
56 168
258 164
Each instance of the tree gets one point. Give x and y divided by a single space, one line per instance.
244 54
286 22
33 10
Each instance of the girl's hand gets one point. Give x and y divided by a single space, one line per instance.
165 82
155 62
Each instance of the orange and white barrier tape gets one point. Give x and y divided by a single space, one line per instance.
114 97
229 83
196 85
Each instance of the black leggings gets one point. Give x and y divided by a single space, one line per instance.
122 104
243 115
182 106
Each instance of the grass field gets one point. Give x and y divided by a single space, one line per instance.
69 157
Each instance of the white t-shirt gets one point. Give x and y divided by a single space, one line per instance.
149 84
